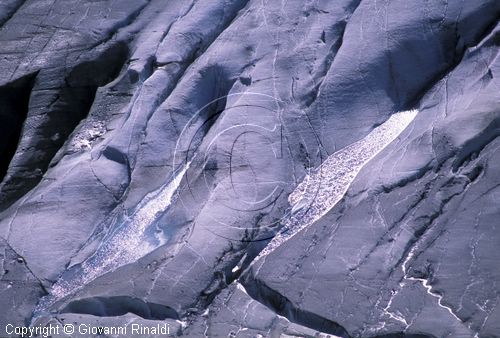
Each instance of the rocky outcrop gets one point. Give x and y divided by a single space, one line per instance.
151 150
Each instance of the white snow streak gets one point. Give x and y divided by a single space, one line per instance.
319 192
126 244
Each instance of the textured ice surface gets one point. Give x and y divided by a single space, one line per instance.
94 96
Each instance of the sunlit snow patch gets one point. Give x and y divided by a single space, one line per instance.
326 185
126 244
